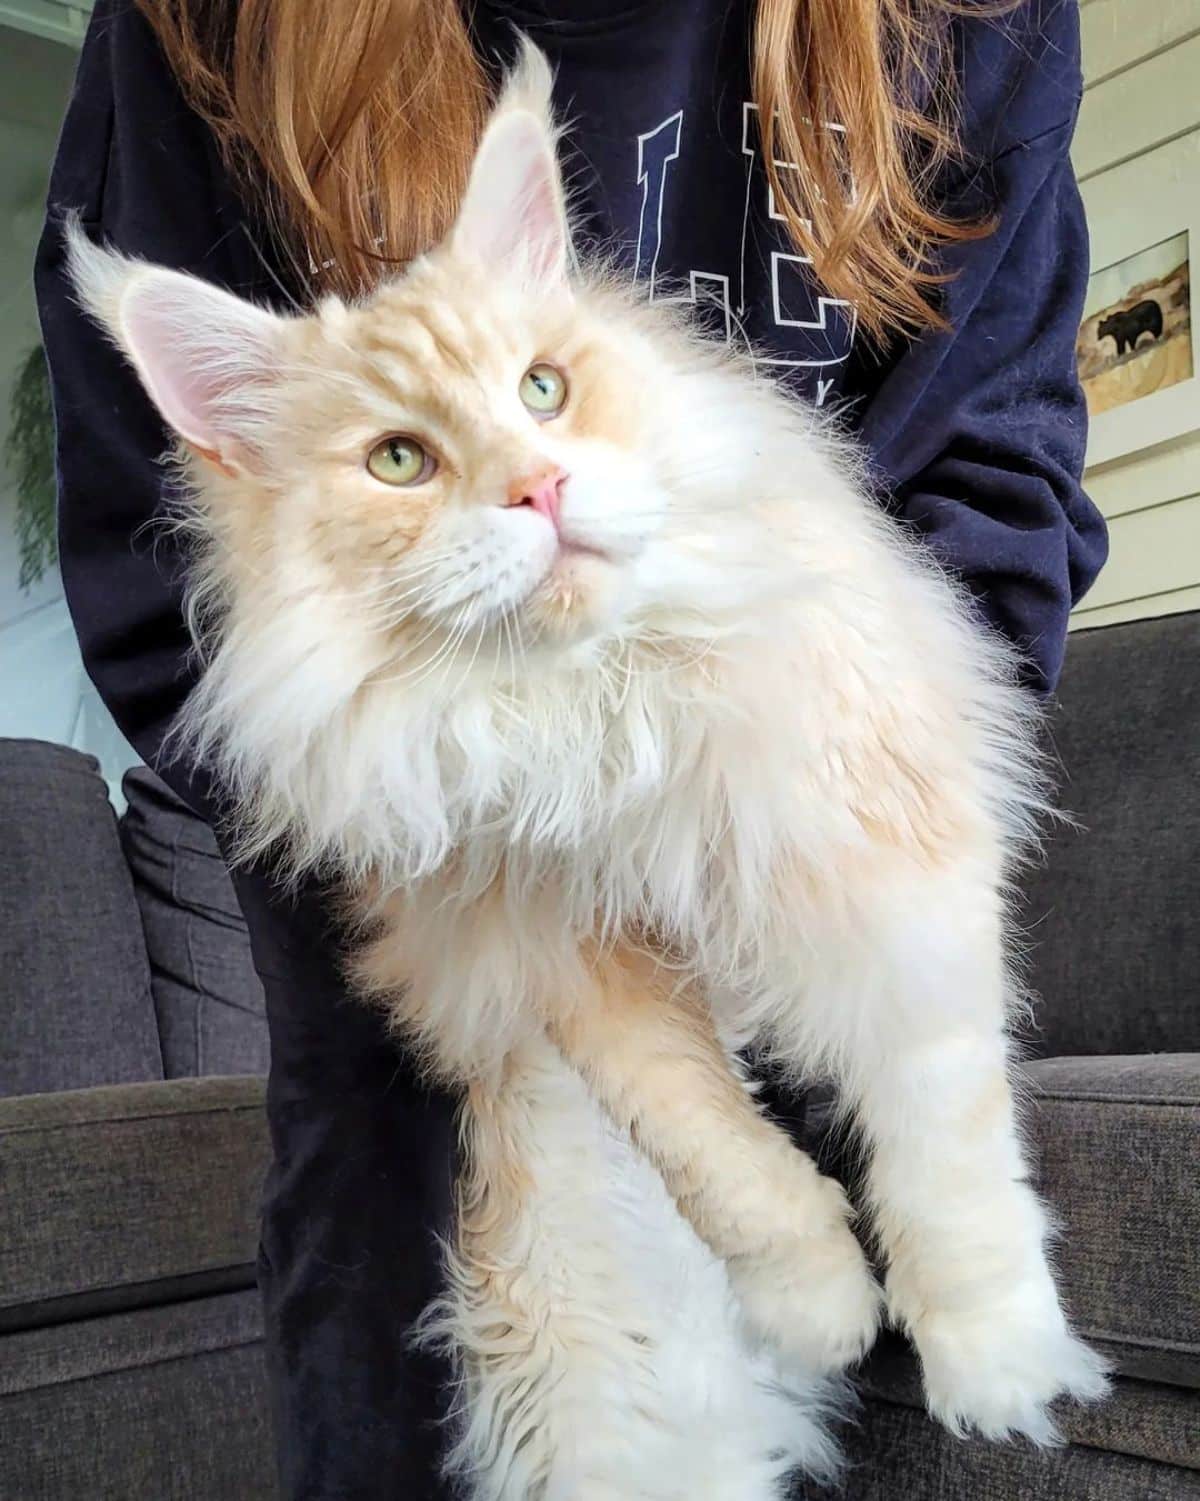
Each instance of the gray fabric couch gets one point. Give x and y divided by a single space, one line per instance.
130 1337
131 1363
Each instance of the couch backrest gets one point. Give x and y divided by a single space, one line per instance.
75 1001
1114 913
211 1012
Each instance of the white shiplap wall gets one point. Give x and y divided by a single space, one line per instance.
55 20
1142 94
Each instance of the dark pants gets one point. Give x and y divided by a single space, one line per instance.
359 1190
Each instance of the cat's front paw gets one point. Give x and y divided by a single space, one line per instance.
995 1370
815 1299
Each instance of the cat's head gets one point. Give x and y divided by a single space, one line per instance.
476 451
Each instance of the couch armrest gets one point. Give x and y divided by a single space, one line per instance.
1151 1079
1117 1141
128 1195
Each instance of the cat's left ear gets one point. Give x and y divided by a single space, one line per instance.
513 215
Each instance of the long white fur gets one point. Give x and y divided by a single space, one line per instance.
703 768
616 1366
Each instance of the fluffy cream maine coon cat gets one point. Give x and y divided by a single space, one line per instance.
637 736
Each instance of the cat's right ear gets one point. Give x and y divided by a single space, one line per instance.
513 215
208 360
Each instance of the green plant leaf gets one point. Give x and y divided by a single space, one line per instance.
29 451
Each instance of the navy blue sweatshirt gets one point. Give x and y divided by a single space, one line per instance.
977 436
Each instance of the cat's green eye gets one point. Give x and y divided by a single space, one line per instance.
544 390
400 461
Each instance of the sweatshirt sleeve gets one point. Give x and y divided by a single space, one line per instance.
980 434
142 172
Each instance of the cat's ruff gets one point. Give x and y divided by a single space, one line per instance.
698 751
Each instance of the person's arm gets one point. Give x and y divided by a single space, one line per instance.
142 172
980 434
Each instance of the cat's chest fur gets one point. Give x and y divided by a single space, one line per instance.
637 792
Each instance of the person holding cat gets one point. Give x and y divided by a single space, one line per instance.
285 155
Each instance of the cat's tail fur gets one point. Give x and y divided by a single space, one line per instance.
596 1339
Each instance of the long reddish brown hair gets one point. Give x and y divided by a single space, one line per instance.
355 121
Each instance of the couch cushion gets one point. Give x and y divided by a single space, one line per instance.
1144 1419
895 1451
75 1006
156 1403
211 1013
1112 913
127 1196
1118 1148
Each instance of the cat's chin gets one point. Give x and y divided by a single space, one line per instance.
581 596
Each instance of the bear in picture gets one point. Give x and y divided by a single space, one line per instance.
1126 328
1136 334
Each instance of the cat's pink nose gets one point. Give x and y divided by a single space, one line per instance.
541 491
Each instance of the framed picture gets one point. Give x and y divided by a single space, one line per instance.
1137 349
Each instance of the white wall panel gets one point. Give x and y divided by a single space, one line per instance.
1142 66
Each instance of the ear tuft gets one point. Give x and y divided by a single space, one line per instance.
529 86
99 276
208 360
513 214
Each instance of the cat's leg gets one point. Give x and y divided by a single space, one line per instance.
647 1047
596 1337
913 1005
651 1057
600 1347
